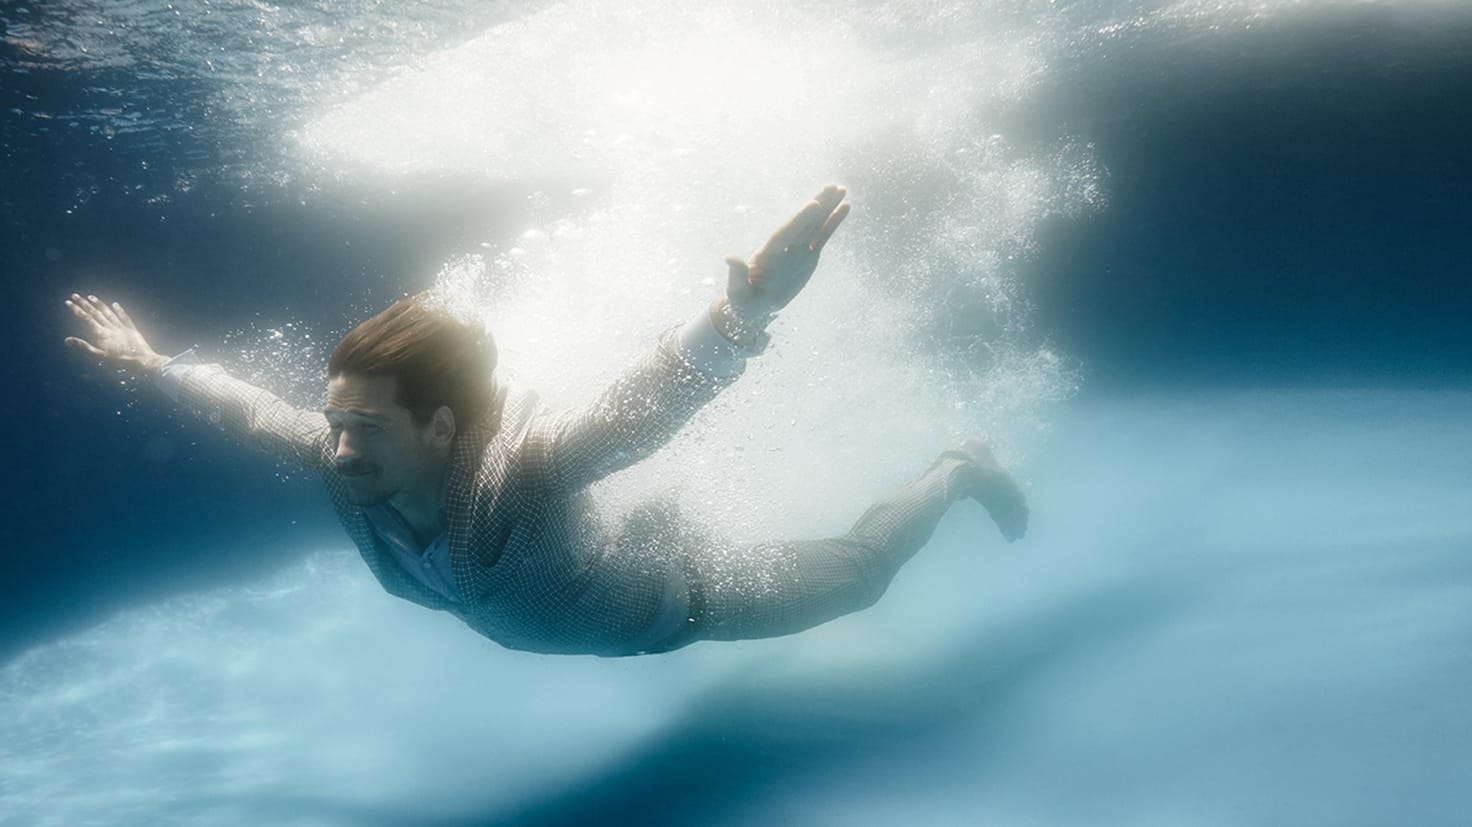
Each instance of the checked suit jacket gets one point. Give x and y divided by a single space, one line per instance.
535 567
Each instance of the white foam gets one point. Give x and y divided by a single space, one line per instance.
690 132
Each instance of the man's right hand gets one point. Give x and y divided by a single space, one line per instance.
114 338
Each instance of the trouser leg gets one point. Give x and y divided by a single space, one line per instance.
775 589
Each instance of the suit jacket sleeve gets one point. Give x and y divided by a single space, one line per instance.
648 403
256 416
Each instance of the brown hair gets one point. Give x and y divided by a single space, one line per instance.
437 358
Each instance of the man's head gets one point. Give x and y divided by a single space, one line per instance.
400 386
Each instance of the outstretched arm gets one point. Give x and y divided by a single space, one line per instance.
251 414
649 402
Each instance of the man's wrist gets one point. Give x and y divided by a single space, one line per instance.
151 364
142 366
743 332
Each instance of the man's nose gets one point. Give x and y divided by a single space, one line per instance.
346 451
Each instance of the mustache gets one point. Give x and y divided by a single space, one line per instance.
353 468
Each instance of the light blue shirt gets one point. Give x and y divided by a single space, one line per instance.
429 565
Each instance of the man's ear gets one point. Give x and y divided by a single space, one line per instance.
442 425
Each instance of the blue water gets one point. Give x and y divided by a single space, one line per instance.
1199 269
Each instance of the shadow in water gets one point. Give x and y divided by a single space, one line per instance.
738 745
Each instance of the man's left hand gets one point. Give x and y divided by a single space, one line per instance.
757 289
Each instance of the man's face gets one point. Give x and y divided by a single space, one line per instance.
380 452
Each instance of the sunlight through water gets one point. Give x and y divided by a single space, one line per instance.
1234 607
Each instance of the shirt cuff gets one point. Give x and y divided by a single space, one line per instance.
170 378
707 350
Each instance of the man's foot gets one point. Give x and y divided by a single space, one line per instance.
985 480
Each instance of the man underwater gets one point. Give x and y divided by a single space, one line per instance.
469 496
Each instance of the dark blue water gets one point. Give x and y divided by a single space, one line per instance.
1245 596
